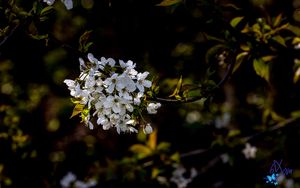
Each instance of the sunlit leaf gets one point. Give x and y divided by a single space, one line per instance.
38 37
245 47
234 132
141 150
294 29
268 58
166 3
277 20
262 68
178 88
47 10
296 75
296 40
279 39
296 114
175 157
152 140
155 172
77 109
239 59
163 146
235 21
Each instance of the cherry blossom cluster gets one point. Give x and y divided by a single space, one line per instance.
114 93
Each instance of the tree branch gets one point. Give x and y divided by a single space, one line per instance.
193 99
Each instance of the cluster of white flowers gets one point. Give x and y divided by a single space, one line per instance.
70 180
113 92
179 179
67 3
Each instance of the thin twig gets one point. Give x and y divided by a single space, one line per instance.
9 35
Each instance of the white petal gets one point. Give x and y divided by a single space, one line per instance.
70 83
82 64
68 4
140 87
116 108
111 62
147 83
122 64
91 58
111 88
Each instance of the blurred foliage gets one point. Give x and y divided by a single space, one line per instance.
227 70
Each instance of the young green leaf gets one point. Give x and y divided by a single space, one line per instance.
277 20
77 109
178 88
239 59
235 21
262 68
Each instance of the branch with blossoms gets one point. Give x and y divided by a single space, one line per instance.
114 93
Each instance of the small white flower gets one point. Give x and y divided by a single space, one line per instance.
148 129
49 2
74 88
249 151
109 61
111 83
66 181
180 180
152 108
141 82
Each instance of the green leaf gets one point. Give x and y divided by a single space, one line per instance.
178 88
166 3
245 47
268 58
233 133
297 75
294 29
152 140
175 157
239 59
141 150
77 109
279 39
295 114
155 172
38 37
235 21
163 146
277 20
296 40
262 68
47 10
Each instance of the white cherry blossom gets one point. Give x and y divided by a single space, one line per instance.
141 82
249 151
152 108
